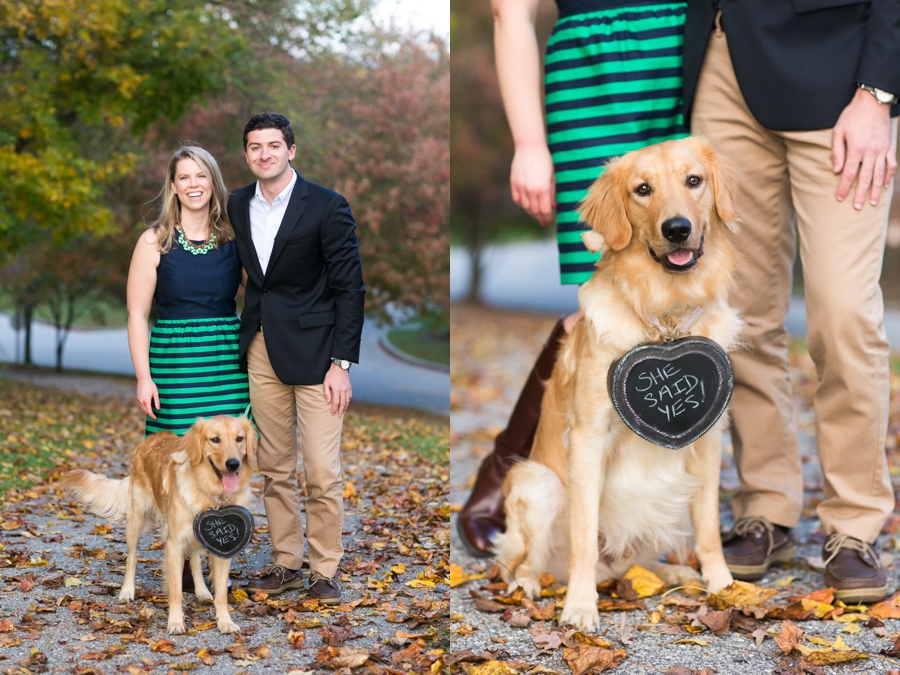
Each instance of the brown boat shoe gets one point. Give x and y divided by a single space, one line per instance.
754 544
324 589
277 579
853 569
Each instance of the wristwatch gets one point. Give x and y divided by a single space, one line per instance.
880 95
343 364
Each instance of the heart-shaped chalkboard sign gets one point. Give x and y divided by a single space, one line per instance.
671 394
225 531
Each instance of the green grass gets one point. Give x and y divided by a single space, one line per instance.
425 339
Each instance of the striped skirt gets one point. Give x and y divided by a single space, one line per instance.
194 364
613 84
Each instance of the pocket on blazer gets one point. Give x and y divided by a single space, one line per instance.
316 319
806 6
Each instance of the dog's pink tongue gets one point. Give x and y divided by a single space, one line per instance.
681 257
230 482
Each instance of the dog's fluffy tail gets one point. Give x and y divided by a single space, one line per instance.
106 497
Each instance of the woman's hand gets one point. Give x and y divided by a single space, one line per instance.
533 182
147 394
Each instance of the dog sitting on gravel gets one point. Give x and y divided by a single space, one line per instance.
173 479
595 498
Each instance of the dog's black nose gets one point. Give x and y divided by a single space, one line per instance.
676 230
233 464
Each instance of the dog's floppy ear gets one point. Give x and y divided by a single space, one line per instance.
604 209
724 184
193 442
250 439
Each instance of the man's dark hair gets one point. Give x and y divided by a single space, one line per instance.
270 120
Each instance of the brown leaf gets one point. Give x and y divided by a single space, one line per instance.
789 637
796 667
625 590
760 635
334 636
295 639
823 595
484 604
894 650
539 612
548 640
827 656
584 659
518 618
794 611
546 580
162 645
611 605
719 623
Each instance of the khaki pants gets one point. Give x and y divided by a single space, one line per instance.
786 177
277 408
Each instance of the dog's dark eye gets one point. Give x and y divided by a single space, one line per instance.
214 439
643 189
694 181
239 439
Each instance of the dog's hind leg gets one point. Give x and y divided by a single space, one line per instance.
135 525
705 462
219 569
533 508
200 589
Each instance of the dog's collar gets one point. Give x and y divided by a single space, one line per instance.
670 330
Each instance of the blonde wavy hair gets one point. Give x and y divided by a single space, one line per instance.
170 207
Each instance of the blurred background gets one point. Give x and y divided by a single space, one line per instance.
95 95
500 256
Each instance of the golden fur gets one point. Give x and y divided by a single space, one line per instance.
172 480
591 479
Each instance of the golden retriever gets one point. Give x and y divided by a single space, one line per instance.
172 480
662 216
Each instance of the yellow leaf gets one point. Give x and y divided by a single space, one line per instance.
783 582
493 668
239 595
851 628
420 583
458 576
741 593
88 444
692 641
819 609
655 618
72 581
850 617
644 582
398 569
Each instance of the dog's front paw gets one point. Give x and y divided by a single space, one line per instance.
530 586
126 594
176 626
228 626
584 617
717 580
203 594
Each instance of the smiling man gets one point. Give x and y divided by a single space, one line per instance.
300 331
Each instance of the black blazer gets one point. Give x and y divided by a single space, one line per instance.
310 300
798 61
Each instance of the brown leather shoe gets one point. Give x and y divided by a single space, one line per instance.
482 515
326 591
853 569
277 580
754 545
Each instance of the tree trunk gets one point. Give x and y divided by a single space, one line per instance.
27 315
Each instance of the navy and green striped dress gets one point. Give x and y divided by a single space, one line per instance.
194 344
613 84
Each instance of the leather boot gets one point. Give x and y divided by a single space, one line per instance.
482 516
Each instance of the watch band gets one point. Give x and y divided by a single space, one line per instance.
343 364
880 95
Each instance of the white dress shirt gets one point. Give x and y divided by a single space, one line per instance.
265 220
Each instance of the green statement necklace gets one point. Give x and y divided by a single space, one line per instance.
203 249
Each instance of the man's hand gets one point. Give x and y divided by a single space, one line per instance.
533 183
863 147
337 389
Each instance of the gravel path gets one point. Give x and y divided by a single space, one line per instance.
492 351
60 571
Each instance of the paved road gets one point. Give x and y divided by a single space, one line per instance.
525 276
379 378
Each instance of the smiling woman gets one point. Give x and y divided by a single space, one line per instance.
188 263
